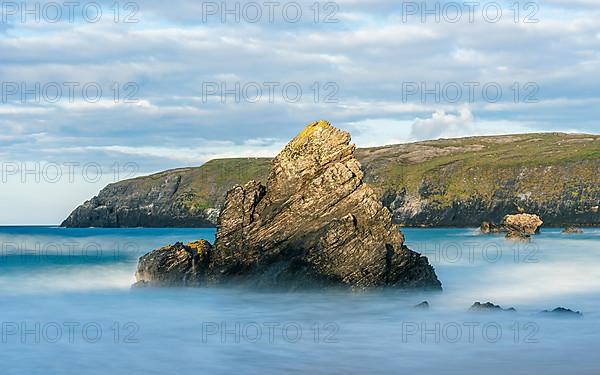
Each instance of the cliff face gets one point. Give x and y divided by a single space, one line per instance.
463 182
458 182
313 223
188 197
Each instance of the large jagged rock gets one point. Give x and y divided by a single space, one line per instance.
315 223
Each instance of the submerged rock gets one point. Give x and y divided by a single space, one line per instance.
488 227
315 223
563 313
572 230
488 307
422 306
518 236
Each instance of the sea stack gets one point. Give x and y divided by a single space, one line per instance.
518 226
315 223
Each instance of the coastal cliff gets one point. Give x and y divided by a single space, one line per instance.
313 223
186 197
451 182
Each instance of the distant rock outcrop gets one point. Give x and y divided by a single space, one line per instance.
562 312
488 307
527 224
422 306
142 203
572 230
314 223
515 226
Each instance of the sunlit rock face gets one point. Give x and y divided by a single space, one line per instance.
315 223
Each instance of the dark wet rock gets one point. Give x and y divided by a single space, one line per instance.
563 313
489 307
518 236
315 223
174 265
572 230
422 306
488 228
141 284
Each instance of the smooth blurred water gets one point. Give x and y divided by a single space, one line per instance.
61 288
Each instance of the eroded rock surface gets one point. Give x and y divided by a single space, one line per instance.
519 226
175 265
523 223
315 223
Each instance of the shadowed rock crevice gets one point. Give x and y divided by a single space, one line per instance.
315 223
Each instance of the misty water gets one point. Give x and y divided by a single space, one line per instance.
66 306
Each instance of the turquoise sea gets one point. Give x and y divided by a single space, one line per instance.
66 307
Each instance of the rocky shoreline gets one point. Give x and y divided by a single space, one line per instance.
444 183
489 307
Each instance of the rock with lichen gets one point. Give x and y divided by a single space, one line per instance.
174 265
314 223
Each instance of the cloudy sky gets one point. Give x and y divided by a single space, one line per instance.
185 81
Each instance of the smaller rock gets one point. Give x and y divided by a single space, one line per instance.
527 224
572 230
489 227
563 313
518 236
488 307
141 284
422 306
174 265
519 227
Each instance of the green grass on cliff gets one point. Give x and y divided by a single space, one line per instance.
541 165
458 169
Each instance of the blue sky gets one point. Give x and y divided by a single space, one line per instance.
366 61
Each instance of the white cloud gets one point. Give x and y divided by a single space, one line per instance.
442 124
462 123
205 151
